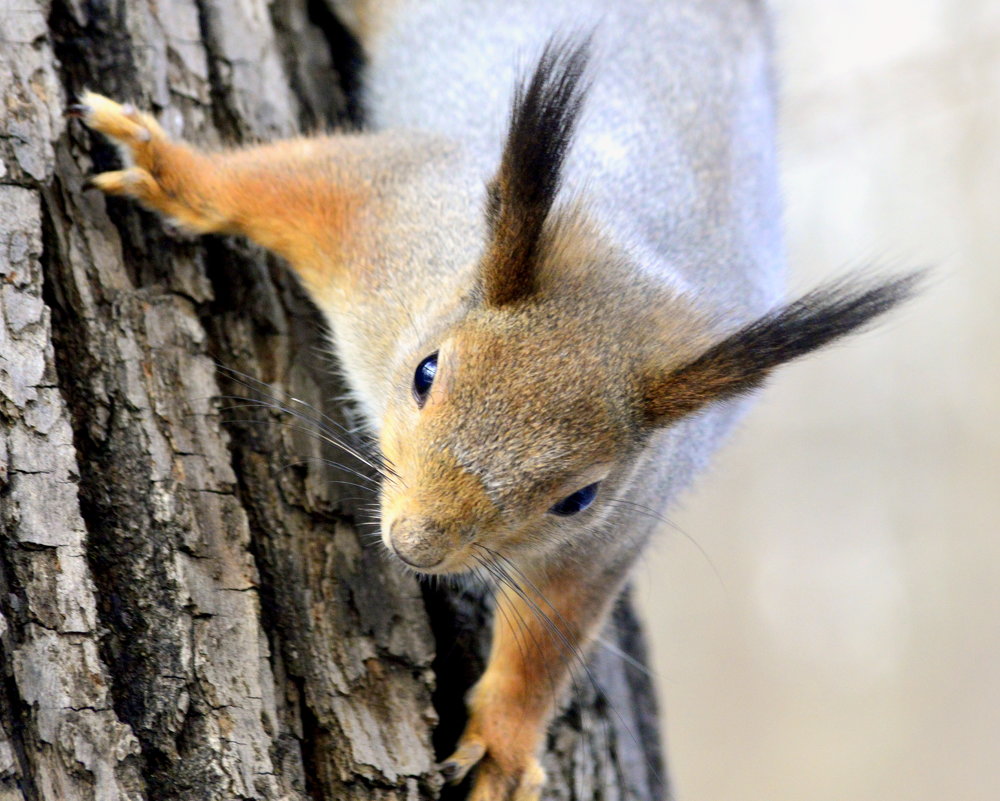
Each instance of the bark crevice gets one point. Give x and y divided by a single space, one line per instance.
15 718
225 115
122 644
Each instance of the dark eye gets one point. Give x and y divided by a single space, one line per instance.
424 377
576 502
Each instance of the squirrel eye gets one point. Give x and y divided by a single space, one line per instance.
576 502
424 377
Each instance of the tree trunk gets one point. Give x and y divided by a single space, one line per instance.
190 609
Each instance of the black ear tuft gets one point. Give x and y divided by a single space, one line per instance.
742 361
542 121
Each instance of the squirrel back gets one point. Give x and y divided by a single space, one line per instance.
674 152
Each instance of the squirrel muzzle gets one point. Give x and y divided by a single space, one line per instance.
420 543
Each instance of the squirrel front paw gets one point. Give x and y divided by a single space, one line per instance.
164 176
136 135
506 768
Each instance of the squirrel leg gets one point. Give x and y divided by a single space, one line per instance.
539 632
293 197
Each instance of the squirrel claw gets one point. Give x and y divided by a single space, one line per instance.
455 768
123 124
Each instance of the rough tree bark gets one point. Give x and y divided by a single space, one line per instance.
189 609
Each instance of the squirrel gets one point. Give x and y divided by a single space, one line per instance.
549 291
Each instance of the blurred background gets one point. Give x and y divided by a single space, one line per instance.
840 636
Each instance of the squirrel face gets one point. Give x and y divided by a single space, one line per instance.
482 459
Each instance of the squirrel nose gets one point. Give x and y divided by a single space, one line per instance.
418 542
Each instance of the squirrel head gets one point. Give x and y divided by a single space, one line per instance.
498 440
520 417
514 427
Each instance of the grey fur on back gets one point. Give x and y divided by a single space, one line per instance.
675 150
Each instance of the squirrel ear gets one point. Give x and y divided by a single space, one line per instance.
739 363
542 121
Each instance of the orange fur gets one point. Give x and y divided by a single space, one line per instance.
528 669
290 197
